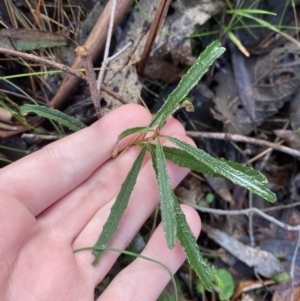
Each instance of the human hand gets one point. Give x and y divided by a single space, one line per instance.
57 200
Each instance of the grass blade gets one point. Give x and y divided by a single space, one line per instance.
265 24
118 208
53 114
165 192
190 247
234 172
188 82
249 11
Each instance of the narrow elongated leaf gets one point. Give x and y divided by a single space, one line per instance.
142 129
152 149
190 247
53 114
118 208
166 194
255 174
233 172
184 159
188 82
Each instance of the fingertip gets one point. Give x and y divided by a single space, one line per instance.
172 127
128 113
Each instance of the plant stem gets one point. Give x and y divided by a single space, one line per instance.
107 46
91 77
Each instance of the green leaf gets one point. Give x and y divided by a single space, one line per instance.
236 173
141 129
53 114
152 149
184 159
242 12
225 284
190 247
249 171
166 195
264 23
188 82
118 208
281 276
165 296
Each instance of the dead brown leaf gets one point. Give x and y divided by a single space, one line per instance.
287 294
248 285
292 139
265 263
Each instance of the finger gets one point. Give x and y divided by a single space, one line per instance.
72 213
145 280
144 199
47 175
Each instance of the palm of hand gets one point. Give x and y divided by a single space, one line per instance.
57 200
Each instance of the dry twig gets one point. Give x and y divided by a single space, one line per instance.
58 66
247 212
94 44
271 219
107 46
154 29
240 138
91 77
40 60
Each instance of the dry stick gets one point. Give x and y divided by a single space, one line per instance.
265 216
260 155
277 140
293 263
39 137
247 212
13 93
108 60
281 207
40 60
91 76
95 44
107 46
250 221
9 127
154 29
295 19
62 67
119 52
241 138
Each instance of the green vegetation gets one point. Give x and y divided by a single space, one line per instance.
174 221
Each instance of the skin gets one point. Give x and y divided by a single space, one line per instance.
56 200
